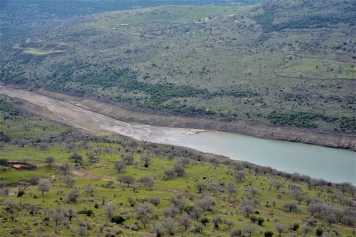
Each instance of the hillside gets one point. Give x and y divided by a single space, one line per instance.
289 63
85 185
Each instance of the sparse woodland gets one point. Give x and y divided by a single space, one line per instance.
110 186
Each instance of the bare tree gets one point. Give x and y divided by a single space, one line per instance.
215 187
76 157
109 210
128 159
154 200
157 229
240 175
69 180
278 185
50 160
144 220
73 195
128 180
200 186
90 189
43 186
291 206
34 179
179 170
280 228
147 181
170 211
306 229
231 189
170 225
33 208
197 213
249 229
70 213
57 216
206 203
65 168
216 220
11 205
185 221
254 191
120 166
229 223
145 158
247 209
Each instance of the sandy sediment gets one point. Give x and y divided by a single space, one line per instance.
137 117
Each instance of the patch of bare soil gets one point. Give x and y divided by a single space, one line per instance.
124 113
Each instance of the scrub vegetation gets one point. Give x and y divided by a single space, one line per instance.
289 63
77 184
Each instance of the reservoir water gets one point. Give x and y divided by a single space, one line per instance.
335 165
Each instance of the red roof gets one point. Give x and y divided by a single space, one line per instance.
17 166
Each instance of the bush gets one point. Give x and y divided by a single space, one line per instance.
295 226
268 233
117 219
87 212
96 206
319 231
204 220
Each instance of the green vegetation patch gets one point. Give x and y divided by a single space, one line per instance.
317 68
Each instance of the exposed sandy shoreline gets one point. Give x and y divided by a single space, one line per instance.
193 124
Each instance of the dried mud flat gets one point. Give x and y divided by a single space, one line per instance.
100 117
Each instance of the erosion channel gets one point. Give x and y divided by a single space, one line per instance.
335 165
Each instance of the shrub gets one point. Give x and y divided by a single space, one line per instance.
268 233
204 220
117 219
295 226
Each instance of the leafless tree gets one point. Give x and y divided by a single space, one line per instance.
128 159
128 180
185 221
179 170
147 181
247 209
57 216
278 185
34 179
65 168
231 189
229 223
206 203
90 189
146 158
70 213
154 200
144 220
43 186
215 187
69 180
254 191
120 166
306 229
280 228
11 205
197 213
32 208
249 229
200 186
157 229
291 206
50 160
143 209
73 195
216 220
109 210
240 175
170 211
170 225
169 173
